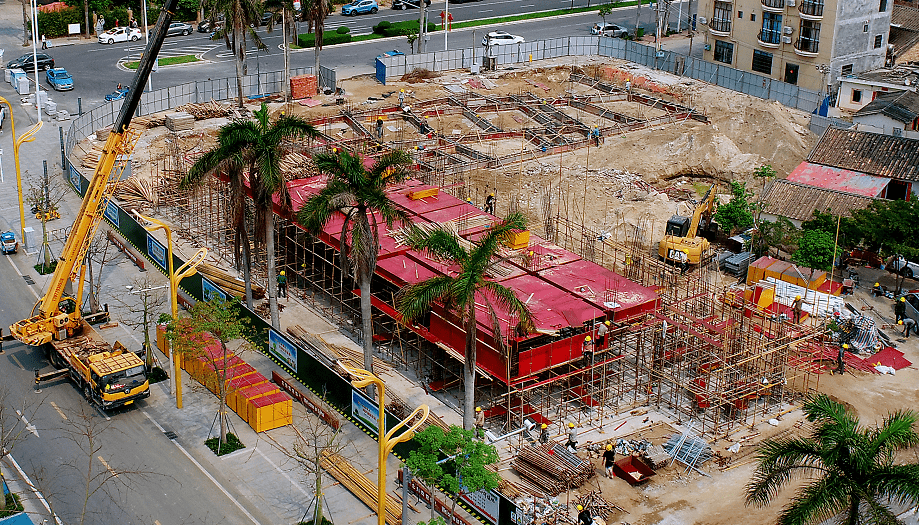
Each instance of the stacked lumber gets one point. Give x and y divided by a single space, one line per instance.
352 358
401 409
303 86
180 121
552 468
595 504
103 133
358 484
91 159
236 287
135 192
206 110
297 166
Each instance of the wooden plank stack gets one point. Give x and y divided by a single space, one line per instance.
359 485
180 121
135 192
206 110
595 504
229 283
303 86
552 468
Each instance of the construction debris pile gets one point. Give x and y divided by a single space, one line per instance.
206 110
594 503
552 467
541 510
135 193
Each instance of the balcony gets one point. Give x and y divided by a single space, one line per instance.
719 27
807 47
811 9
775 6
769 38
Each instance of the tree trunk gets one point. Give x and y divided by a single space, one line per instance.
26 23
247 266
366 321
239 71
637 18
853 510
469 369
86 17
286 75
317 513
222 388
272 272
316 47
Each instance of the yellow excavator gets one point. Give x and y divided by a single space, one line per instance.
681 242
109 376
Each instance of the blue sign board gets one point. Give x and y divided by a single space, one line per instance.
111 213
364 410
75 178
209 291
282 350
156 251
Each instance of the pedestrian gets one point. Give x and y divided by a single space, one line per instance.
401 97
282 284
380 129
797 307
601 334
609 459
133 23
2 116
572 443
899 309
584 516
490 203
544 433
479 423
840 361
117 22
909 325
877 291
44 42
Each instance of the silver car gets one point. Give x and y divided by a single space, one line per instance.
608 30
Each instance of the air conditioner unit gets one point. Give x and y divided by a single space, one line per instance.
786 39
703 20
787 30
790 3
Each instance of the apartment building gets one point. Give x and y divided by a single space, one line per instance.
809 43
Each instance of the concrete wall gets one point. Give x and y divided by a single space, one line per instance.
851 43
879 123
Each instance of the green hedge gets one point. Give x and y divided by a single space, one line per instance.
54 24
388 29
329 38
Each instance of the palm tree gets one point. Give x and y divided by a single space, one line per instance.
853 466
360 194
459 293
228 161
316 12
261 144
240 17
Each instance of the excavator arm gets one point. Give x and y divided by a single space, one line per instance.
705 206
50 322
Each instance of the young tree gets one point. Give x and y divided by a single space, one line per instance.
359 194
460 292
411 36
97 259
140 305
737 214
607 9
815 250
465 470
850 467
781 235
765 172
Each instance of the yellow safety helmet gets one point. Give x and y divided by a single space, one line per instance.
492 194
903 299
478 409
587 339
570 425
580 507
686 252
544 426
401 91
900 322
606 323
609 446
845 345
877 284
282 272
797 297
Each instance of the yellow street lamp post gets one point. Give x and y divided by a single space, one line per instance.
28 136
360 379
175 277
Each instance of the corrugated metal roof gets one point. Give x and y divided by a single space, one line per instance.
838 179
902 106
905 17
793 200
870 153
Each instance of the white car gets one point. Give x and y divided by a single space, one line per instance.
500 38
608 30
120 34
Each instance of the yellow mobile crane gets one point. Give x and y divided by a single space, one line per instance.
681 241
109 376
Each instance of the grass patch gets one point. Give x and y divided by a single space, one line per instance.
232 445
13 506
156 375
45 270
168 61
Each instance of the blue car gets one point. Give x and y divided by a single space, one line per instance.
59 79
393 53
360 6
118 94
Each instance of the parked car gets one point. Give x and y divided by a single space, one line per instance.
177 28
205 25
59 79
8 243
897 264
118 94
120 34
393 53
407 4
25 62
500 38
360 6
608 30
268 16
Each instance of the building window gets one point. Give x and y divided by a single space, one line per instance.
811 7
847 69
865 28
791 73
883 6
878 41
724 51
753 17
739 14
721 19
762 62
809 41
772 28
856 95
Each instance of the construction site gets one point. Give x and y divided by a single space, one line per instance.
695 350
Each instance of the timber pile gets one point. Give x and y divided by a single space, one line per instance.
135 192
180 121
552 468
297 166
352 358
206 110
345 473
231 284
596 505
102 134
91 159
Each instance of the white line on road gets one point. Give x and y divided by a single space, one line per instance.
292 482
205 472
59 411
106 465
486 10
10 259
31 485
29 426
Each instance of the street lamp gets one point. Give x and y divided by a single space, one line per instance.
360 379
175 277
28 136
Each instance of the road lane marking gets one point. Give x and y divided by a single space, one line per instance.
106 465
10 259
17 361
292 482
205 472
35 490
59 411
29 426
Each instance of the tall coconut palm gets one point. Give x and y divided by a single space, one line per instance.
316 12
360 194
227 161
459 293
241 16
852 467
261 144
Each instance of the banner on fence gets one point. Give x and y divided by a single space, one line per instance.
365 411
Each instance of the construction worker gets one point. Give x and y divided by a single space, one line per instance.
595 133
796 305
628 85
572 443
544 433
841 360
588 349
401 97
609 459
684 262
490 203
899 309
380 129
877 291
602 330
479 423
908 325
282 284
584 516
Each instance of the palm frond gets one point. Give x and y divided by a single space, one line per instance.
390 168
896 433
508 301
817 502
415 300
780 461
318 209
439 243
897 483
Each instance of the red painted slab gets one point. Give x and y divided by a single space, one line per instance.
597 285
891 357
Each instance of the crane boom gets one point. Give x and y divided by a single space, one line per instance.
50 322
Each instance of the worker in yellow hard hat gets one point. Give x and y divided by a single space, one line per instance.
490 202
609 459
544 433
282 284
684 262
572 443
798 307
877 291
584 516
602 330
401 97
899 308
479 423
840 362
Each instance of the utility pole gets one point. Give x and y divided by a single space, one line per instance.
421 25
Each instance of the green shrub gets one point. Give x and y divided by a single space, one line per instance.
232 445
388 29
55 23
156 375
329 38
13 506
381 28
343 30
